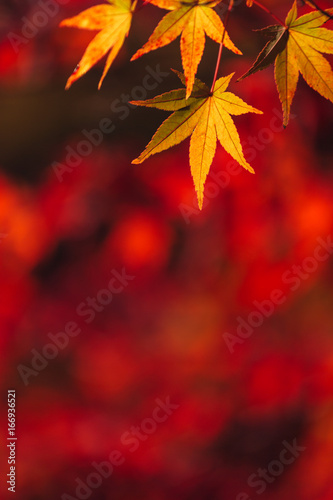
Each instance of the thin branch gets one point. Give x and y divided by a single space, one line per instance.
266 9
231 3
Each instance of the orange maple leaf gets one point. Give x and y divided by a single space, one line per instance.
302 54
192 20
297 47
206 117
113 23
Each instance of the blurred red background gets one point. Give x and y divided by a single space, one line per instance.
192 278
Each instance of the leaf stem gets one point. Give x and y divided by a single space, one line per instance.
266 9
231 3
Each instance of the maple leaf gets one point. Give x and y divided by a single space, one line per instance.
113 23
206 116
278 38
296 48
192 20
302 54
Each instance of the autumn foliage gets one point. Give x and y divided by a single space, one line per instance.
202 112
201 278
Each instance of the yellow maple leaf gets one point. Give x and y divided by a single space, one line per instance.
302 54
206 116
113 23
192 20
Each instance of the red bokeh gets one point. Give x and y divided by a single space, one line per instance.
157 292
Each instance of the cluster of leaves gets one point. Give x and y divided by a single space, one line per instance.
294 46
